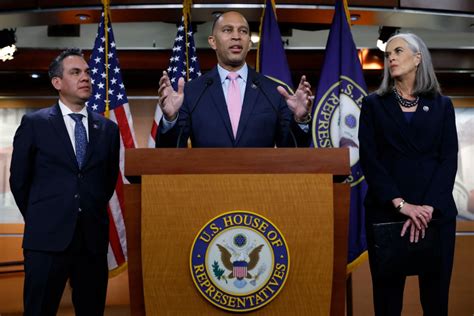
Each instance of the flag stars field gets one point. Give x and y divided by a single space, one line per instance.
183 63
112 97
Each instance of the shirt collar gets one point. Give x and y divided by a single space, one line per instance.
243 73
66 111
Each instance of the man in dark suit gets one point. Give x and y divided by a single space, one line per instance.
63 172
232 105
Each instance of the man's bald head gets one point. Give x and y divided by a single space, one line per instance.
221 17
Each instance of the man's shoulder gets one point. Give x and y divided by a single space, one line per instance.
199 83
42 113
96 117
259 79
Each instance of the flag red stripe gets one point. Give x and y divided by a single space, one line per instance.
125 130
114 240
127 140
119 192
154 129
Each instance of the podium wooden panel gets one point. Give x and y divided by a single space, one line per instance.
282 172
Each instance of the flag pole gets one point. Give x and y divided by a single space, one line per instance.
348 14
106 35
186 13
349 297
260 35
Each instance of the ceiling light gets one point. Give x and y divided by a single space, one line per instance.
381 45
385 32
83 16
355 17
7 44
255 37
6 53
34 75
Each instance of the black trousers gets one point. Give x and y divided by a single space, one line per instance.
434 286
46 274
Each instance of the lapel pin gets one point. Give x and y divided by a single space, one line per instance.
95 126
253 86
426 108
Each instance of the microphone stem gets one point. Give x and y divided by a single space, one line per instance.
208 83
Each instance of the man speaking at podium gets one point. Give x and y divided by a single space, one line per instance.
232 105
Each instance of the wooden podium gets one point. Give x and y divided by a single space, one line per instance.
182 189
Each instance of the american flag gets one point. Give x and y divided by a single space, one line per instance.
119 112
183 63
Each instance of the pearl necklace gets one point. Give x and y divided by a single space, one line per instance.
404 102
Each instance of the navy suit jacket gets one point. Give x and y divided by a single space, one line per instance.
204 116
49 188
416 161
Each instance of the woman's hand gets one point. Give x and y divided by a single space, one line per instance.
414 231
430 210
419 215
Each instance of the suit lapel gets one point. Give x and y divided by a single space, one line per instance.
219 101
94 132
57 121
393 109
248 104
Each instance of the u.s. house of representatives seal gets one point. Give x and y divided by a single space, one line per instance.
336 121
239 261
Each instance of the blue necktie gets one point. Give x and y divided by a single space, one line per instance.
80 138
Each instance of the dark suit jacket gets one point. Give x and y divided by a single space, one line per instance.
49 188
206 120
416 161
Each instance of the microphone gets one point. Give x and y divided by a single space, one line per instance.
207 84
257 83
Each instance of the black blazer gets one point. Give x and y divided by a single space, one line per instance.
49 188
206 119
416 161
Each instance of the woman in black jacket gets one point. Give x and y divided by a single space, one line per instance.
408 152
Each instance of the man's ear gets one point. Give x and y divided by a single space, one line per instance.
212 42
56 82
250 44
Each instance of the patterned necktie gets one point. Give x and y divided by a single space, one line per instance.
234 103
80 137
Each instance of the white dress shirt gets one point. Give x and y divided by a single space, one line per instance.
242 81
71 124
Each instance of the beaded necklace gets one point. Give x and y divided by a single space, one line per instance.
404 102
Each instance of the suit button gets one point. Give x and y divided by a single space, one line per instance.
80 210
79 175
77 195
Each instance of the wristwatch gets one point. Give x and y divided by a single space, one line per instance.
400 206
